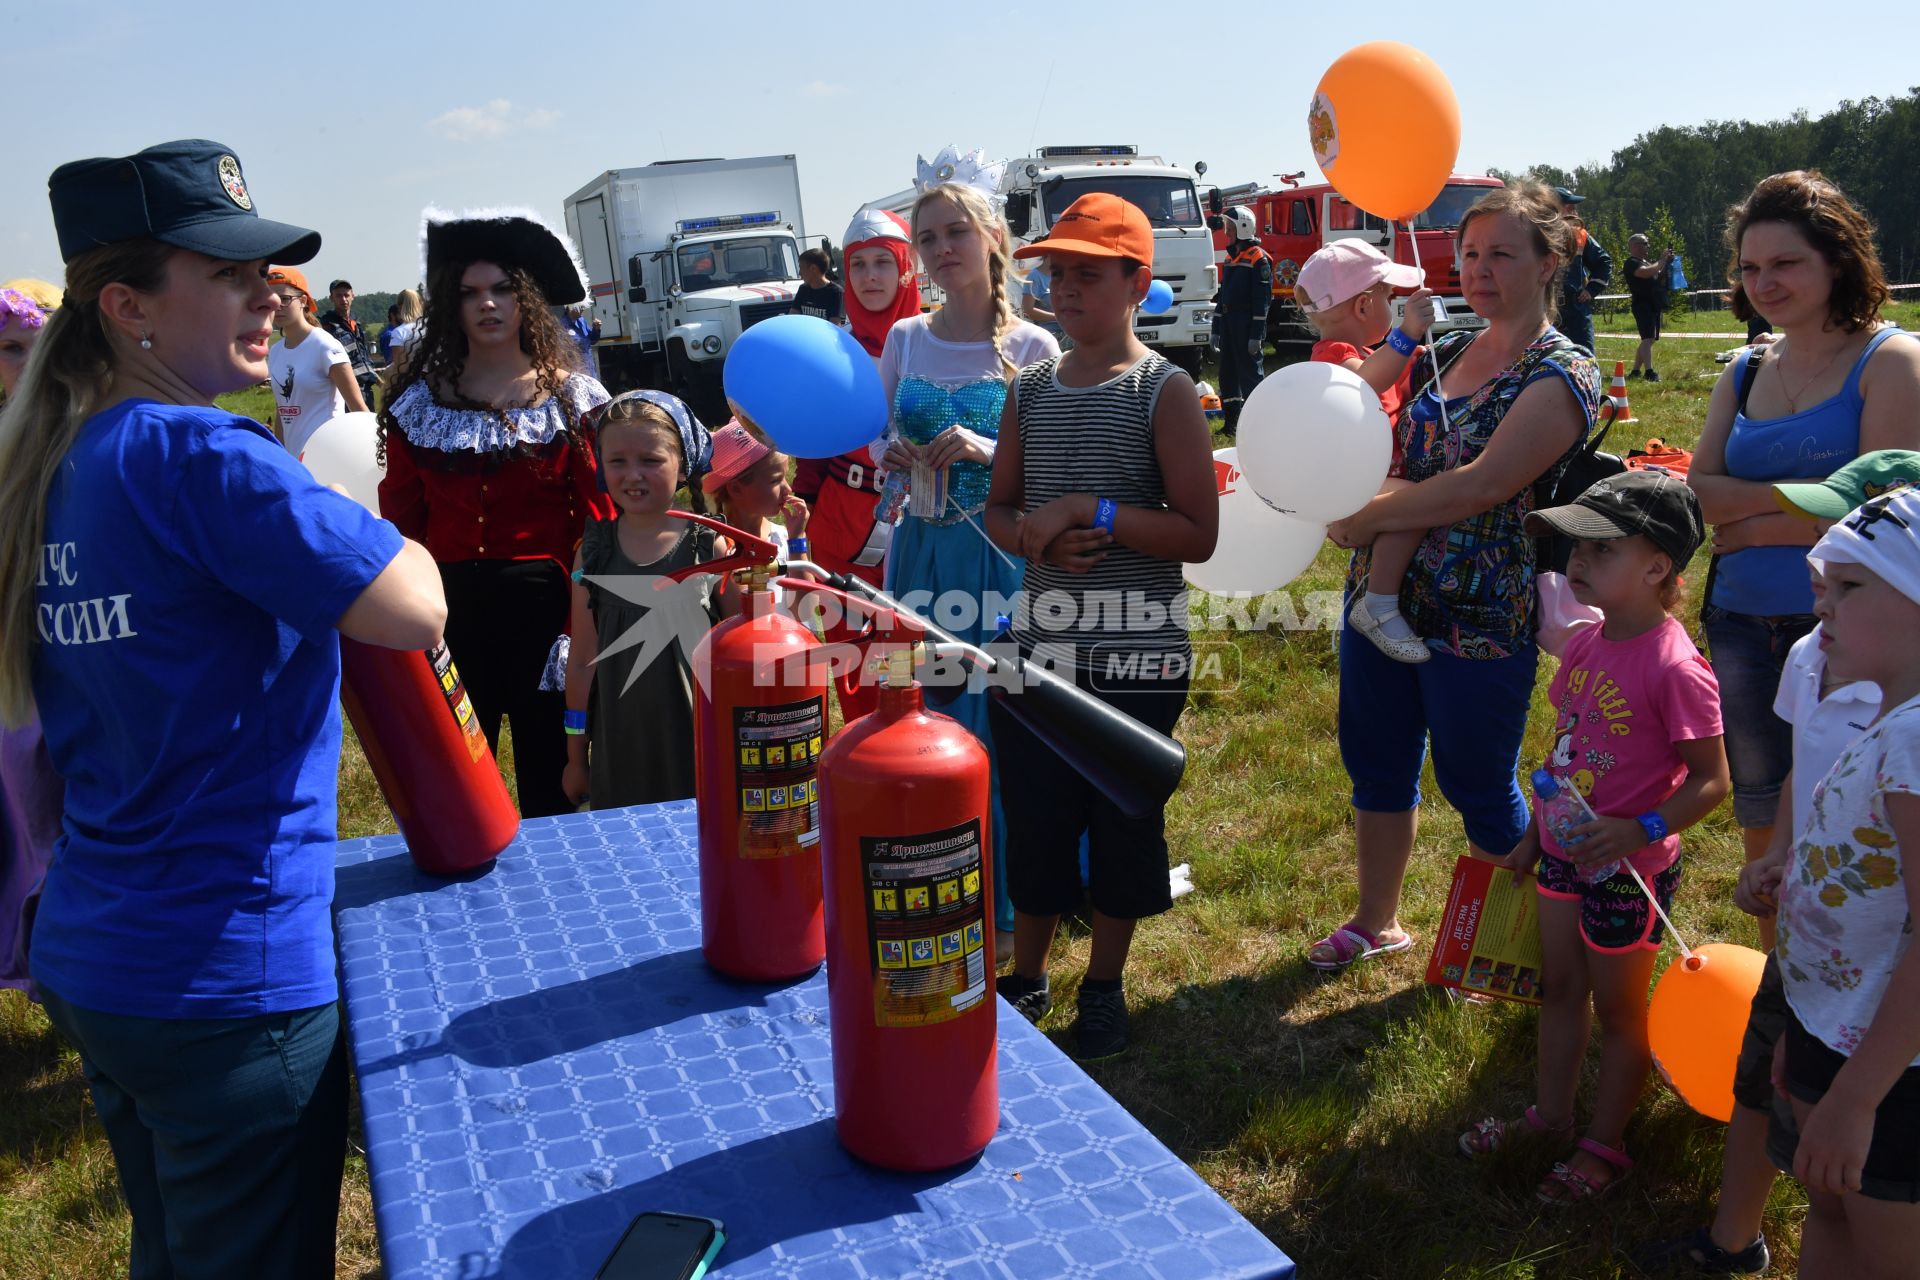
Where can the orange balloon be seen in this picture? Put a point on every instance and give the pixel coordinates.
(1696, 1020)
(1385, 128)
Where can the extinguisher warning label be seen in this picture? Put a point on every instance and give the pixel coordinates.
(926, 924)
(776, 752)
(454, 689)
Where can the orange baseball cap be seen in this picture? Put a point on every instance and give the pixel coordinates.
(295, 277)
(1097, 225)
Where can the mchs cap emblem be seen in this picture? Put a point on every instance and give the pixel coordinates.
(236, 186)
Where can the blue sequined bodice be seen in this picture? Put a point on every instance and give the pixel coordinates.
(923, 409)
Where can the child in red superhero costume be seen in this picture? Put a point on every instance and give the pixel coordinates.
(842, 491)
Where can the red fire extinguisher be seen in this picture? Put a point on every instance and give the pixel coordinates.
(906, 843)
(417, 725)
(759, 726)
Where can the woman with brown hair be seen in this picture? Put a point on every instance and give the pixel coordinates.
(1838, 383)
(490, 463)
(170, 592)
(1520, 397)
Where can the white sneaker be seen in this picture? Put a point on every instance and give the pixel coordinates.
(1412, 649)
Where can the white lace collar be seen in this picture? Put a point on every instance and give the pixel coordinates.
(428, 424)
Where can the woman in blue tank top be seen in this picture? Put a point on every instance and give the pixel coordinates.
(1838, 383)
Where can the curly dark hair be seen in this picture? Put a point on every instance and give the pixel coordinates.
(440, 356)
(1833, 225)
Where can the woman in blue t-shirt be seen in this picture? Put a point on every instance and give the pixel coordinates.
(169, 596)
(1838, 383)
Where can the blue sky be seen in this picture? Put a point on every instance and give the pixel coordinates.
(351, 117)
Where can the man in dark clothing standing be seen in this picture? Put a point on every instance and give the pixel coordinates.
(1246, 291)
(352, 335)
(1590, 272)
(1647, 284)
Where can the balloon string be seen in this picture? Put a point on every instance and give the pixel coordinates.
(1686, 952)
(955, 503)
(1414, 238)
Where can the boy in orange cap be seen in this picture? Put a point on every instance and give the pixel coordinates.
(1103, 480)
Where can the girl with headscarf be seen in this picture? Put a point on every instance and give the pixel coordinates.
(843, 534)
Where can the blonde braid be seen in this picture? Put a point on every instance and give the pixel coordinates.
(980, 211)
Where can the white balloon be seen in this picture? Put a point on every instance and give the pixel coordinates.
(1259, 549)
(342, 451)
(1314, 441)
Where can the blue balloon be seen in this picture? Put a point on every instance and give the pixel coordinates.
(1159, 299)
(813, 388)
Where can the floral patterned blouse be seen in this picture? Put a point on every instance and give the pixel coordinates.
(1844, 918)
(1470, 587)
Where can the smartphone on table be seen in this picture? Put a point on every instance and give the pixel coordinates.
(664, 1246)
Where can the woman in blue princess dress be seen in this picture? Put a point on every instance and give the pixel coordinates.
(946, 376)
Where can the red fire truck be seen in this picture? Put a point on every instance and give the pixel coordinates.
(1297, 220)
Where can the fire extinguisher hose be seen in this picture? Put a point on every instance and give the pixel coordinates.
(1134, 766)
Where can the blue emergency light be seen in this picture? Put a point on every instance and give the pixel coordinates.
(728, 220)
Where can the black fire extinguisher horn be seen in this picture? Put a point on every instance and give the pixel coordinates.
(1136, 767)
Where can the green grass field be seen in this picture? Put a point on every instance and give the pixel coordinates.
(1324, 1110)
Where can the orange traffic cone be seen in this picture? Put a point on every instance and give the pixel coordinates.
(1617, 392)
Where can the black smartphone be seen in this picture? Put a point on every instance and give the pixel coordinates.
(664, 1246)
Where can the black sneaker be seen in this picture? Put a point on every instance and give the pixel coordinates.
(1101, 1031)
(1030, 996)
(1632, 374)
(1696, 1253)
(1652, 376)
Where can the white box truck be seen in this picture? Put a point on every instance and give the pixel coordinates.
(683, 256)
(1041, 186)
(1038, 189)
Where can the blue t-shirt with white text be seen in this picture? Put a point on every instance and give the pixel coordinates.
(187, 674)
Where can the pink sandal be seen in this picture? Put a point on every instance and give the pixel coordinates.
(1486, 1137)
(1565, 1186)
(1350, 943)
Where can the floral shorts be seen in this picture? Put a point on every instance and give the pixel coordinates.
(1614, 914)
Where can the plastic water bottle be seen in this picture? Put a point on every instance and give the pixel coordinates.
(1562, 808)
(893, 498)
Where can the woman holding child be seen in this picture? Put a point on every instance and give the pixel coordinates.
(1520, 399)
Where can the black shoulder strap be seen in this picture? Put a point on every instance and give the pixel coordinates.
(1747, 378)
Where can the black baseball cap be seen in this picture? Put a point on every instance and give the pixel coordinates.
(1651, 502)
(190, 194)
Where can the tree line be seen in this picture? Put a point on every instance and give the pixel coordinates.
(1678, 183)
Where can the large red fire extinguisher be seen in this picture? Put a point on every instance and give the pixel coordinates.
(906, 843)
(759, 726)
(416, 723)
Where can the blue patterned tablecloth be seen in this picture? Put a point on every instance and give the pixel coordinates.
(543, 1054)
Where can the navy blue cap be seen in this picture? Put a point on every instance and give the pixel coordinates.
(1567, 197)
(190, 194)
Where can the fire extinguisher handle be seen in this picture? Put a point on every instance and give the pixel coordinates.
(749, 550)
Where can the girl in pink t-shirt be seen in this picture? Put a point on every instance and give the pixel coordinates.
(1637, 732)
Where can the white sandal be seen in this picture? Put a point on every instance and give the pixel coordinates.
(1412, 649)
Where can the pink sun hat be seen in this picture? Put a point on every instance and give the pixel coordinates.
(734, 450)
(1346, 269)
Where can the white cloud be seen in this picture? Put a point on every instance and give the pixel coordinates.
(495, 118)
(824, 89)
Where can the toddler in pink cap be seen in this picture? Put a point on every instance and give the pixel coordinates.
(1345, 291)
(749, 481)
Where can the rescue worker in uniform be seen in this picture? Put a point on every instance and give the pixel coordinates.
(1590, 271)
(1246, 291)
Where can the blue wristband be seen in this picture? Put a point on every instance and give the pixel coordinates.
(574, 721)
(1654, 825)
(1401, 343)
(797, 546)
(1104, 512)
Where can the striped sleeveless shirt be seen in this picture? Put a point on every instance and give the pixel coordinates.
(1098, 440)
